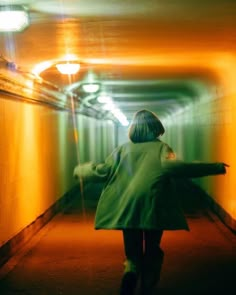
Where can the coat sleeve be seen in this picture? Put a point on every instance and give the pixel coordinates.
(93, 172)
(178, 168)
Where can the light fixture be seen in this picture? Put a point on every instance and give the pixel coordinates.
(104, 98)
(13, 18)
(108, 105)
(120, 117)
(90, 82)
(90, 87)
(68, 68)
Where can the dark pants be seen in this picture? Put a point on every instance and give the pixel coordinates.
(144, 256)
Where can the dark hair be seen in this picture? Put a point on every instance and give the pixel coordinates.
(145, 126)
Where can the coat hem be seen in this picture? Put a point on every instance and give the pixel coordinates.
(139, 227)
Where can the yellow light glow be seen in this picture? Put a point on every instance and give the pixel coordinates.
(68, 68)
(29, 84)
(29, 87)
(39, 68)
(15, 21)
(69, 57)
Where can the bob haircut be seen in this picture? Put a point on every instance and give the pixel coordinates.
(145, 126)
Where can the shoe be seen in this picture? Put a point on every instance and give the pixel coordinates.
(128, 283)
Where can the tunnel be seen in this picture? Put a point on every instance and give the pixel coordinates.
(71, 79)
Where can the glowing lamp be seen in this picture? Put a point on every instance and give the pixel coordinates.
(68, 68)
(90, 87)
(13, 18)
(120, 117)
(104, 99)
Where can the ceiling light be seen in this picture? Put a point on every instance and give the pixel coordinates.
(104, 99)
(68, 68)
(109, 106)
(90, 82)
(13, 18)
(90, 87)
(120, 117)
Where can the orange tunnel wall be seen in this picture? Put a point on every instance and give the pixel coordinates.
(37, 155)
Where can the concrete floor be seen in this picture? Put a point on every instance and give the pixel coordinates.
(69, 257)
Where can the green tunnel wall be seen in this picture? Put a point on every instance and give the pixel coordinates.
(205, 131)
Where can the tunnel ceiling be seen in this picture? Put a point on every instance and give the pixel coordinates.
(147, 54)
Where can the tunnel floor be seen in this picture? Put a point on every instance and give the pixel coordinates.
(69, 257)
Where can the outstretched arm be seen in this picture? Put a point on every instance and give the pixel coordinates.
(193, 169)
(92, 172)
(177, 168)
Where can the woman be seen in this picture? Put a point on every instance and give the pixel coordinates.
(138, 198)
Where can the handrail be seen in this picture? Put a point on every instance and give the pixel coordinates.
(31, 90)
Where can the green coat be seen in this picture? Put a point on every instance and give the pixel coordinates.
(138, 191)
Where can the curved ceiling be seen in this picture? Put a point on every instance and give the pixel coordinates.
(159, 54)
